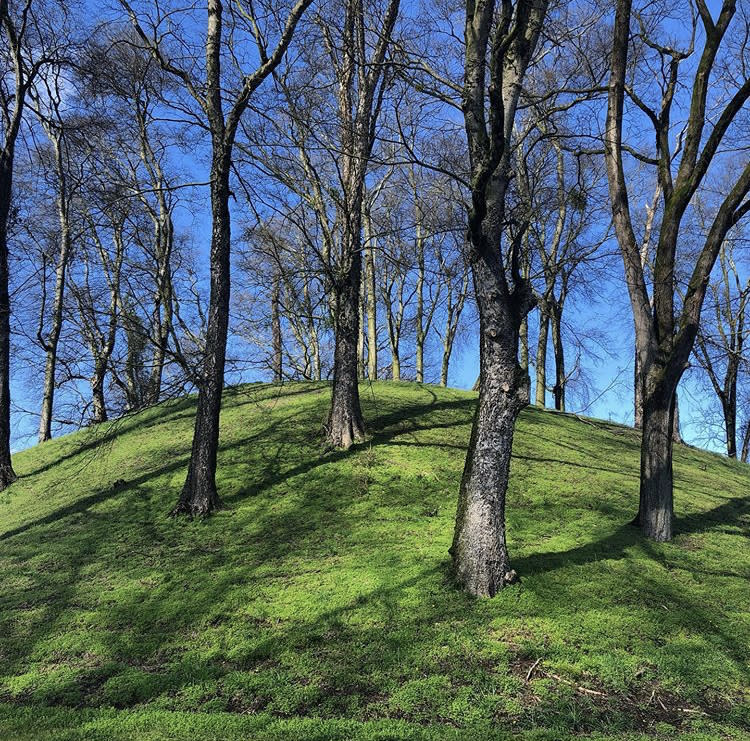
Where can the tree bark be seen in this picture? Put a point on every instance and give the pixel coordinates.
(7, 474)
(50, 344)
(541, 359)
(656, 507)
(345, 422)
(559, 352)
(745, 443)
(372, 327)
(361, 334)
(199, 496)
(637, 392)
(479, 550)
(730, 425)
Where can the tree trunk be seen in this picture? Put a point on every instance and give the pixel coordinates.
(480, 554)
(7, 474)
(361, 334)
(637, 392)
(370, 299)
(541, 359)
(199, 496)
(97, 393)
(345, 422)
(730, 425)
(276, 330)
(163, 302)
(372, 327)
(444, 368)
(421, 330)
(559, 351)
(656, 506)
(745, 443)
(50, 345)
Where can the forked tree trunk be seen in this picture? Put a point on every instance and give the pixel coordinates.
(199, 496)
(541, 360)
(345, 422)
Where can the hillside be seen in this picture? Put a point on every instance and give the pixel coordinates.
(318, 603)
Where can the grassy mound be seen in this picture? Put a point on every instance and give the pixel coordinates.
(318, 604)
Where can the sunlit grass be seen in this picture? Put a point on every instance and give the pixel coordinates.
(318, 603)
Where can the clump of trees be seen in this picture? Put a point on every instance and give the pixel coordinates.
(386, 188)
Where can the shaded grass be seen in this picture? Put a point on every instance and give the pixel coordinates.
(319, 601)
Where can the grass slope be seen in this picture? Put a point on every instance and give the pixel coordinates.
(318, 604)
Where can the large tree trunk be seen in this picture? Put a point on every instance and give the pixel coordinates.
(199, 496)
(345, 422)
(656, 506)
(559, 352)
(480, 554)
(541, 359)
(7, 474)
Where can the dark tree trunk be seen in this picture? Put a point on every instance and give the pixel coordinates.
(655, 511)
(199, 496)
(97, 393)
(7, 474)
(559, 351)
(745, 443)
(730, 424)
(345, 422)
(541, 359)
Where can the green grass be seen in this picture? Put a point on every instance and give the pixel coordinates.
(319, 605)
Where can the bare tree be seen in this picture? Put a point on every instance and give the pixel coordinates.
(500, 42)
(664, 336)
(28, 48)
(199, 495)
(719, 347)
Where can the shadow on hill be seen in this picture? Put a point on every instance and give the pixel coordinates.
(731, 513)
(178, 617)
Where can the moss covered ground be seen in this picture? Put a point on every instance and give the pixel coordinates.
(318, 604)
